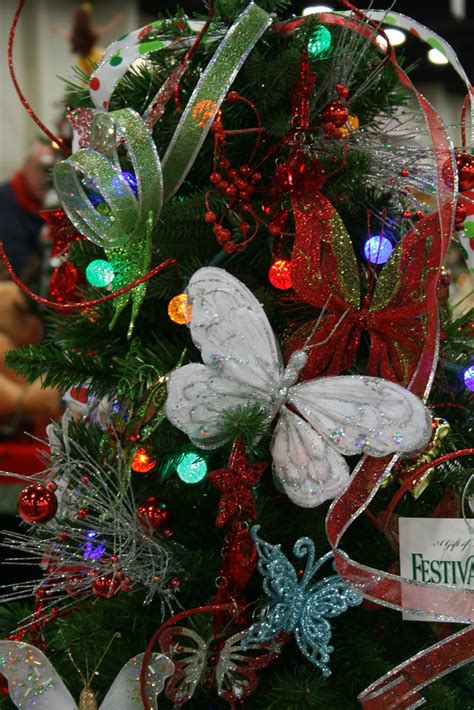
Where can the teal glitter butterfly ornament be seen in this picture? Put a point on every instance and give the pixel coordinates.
(298, 606)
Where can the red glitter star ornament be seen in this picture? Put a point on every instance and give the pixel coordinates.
(63, 232)
(235, 482)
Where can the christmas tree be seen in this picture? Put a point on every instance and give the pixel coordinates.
(252, 227)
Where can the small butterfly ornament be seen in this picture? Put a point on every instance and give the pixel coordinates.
(34, 684)
(227, 663)
(299, 607)
(318, 420)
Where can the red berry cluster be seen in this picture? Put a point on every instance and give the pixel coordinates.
(236, 187)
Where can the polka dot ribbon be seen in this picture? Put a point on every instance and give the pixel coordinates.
(121, 54)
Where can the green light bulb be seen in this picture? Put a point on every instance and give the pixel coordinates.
(100, 273)
(191, 468)
(319, 42)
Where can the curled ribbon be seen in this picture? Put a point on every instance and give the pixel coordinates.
(209, 93)
(399, 688)
(124, 226)
(99, 166)
(121, 54)
(125, 229)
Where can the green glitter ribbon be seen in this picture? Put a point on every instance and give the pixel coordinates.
(123, 223)
(209, 93)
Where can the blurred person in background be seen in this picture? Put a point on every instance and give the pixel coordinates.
(20, 400)
(21, 199)
(84, 36)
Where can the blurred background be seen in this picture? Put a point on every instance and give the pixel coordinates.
(45, 51)
(43, 56)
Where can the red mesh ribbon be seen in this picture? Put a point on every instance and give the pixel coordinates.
(400, 688)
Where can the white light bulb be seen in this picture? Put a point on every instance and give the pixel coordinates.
(437, 57)
(312, 9)
(395, 37)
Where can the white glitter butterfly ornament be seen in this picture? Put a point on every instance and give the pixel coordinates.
(318, 420)
(34, 684)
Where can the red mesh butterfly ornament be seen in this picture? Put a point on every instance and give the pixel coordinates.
(325, 273)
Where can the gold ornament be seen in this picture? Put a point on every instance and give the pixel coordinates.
(352, 124)
(441, 429)
(87, 699)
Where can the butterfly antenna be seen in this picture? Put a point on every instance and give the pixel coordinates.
(316, 325)
(115, 636)
(81, 674)
(306, 345)
(333, 330)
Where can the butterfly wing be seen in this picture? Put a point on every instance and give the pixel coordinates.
(363, 414)
(403, 301)
(230, 328)
(323, 263)
(327, 599)
(188, 652)
(280, 584)
(33, 681)
(236, 676)
(323, 259)
(124, 693)
(242, 357)
(197, 398)
(309, 469)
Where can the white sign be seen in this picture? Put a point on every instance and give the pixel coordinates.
(438, 551)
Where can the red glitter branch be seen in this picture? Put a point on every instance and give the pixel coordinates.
(69, 307)
(171, 85)
(22, 97)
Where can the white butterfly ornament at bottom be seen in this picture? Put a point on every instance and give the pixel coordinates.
(318, 420)
(34, 684)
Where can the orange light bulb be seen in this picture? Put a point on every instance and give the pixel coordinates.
(142, 462)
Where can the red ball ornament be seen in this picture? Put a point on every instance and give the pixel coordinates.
(37, 504)
(279, 274)
(107, 585)
(153, 514)
(465, 166)
(231, 192)
(336, 113)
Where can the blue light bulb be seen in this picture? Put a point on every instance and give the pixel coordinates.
(377, 249)
(468, 377)
(131, 180)
(92, 550)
